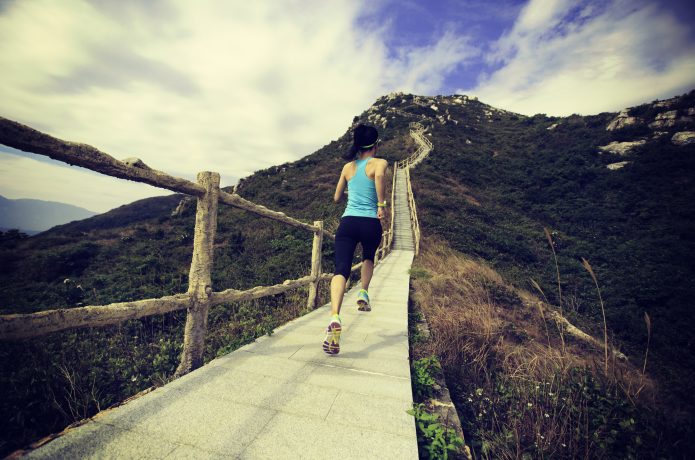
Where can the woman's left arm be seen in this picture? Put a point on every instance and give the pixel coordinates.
(379, 182)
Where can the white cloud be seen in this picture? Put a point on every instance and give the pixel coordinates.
(186, 86)
(567, 57)
(423, 70)
(539, 14)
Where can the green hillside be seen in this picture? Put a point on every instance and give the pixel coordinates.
(493, 182)
(635, 224)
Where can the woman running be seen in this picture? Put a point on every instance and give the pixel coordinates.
(360, 223)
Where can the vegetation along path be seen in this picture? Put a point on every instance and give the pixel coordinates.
(281, 396)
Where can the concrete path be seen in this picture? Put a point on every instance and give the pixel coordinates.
(281, 396)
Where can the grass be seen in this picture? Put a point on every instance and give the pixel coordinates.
(587, 265)
(524, 389)
(559, 285)
(53, 381)
(437, 440)
(439, 433)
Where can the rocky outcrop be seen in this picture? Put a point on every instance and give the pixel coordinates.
(666, 102)
(664, 120)
(183, 204)
(684, 138)
(394, 96)
(622, 148)
(618, 165)
(623, 119)
(377, 119)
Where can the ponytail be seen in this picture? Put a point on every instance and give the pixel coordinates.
(350, 154)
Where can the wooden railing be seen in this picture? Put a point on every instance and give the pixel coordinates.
(200, 296)
(413, 212)
(425, 146)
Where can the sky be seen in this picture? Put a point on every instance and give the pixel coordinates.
(237, 86)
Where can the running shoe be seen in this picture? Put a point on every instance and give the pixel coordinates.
(363, 301)
(331, 345)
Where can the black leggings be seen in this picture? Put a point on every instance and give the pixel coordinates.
(353, 230)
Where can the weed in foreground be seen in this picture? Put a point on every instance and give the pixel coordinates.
(525, 395)
(436, 439)
(425, 371)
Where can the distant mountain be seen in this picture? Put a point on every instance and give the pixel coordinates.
(34, 216)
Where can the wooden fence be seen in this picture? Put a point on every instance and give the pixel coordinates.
(425, 146)
(200, 296)
(413, 212)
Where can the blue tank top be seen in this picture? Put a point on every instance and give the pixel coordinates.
(362, 197)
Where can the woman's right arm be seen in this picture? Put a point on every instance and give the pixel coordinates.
(340, 188)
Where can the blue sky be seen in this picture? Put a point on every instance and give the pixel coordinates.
(237, 86)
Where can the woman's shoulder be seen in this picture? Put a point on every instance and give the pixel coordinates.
(348, 167)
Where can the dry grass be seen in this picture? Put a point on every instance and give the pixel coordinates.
(461, 309)
(450, 187)
(490, 336)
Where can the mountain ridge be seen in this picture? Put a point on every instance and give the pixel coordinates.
(34, 216)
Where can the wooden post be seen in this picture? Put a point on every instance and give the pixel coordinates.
(315, 264)
(199, 282)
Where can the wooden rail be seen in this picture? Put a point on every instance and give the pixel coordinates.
(24, 138)
(425, 146)
(26, 326)
(241, 203)
(200, 296)
(413, 212)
